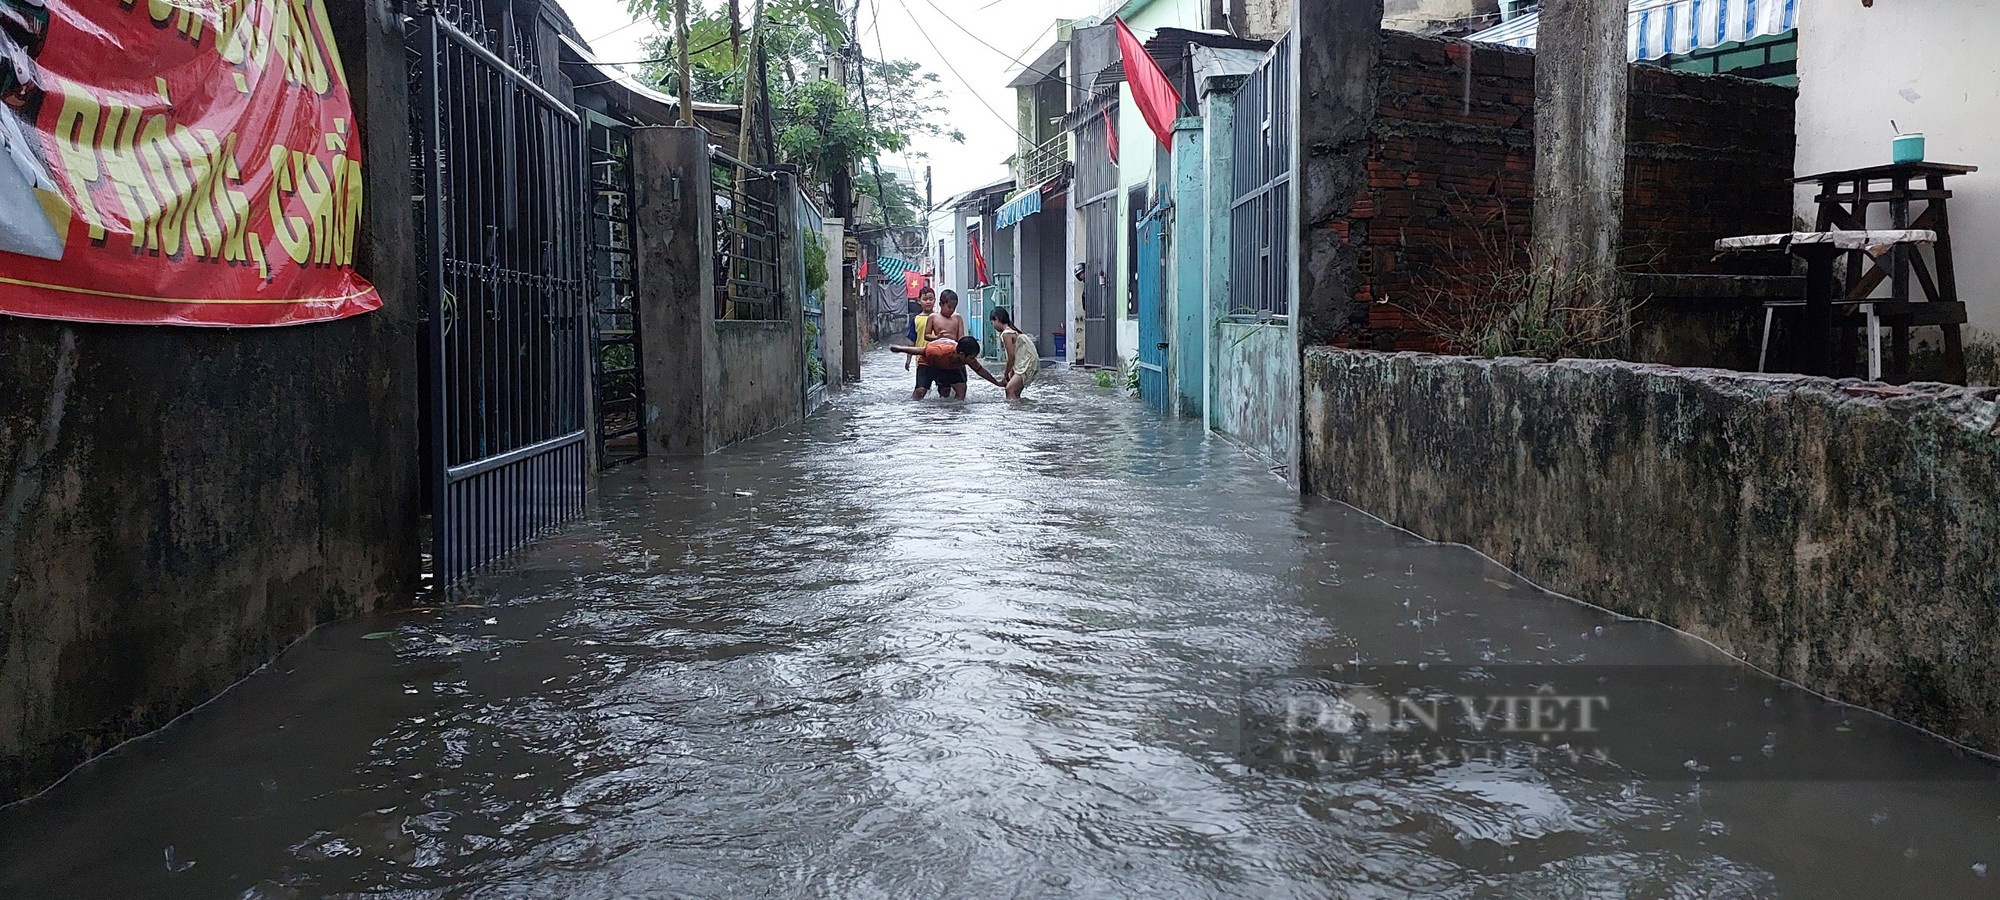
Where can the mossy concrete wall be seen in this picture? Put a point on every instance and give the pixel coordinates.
(759, 381)
(1841, 534)
(1257, 388)
(179, 504)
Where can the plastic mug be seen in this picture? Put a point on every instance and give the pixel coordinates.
(1908, 148)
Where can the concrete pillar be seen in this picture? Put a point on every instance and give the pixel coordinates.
(833, 332)
(1219, 181)
(792, 277)
(675, 285)
(1580, 106)
(851, 323)
(1186, 360)
(1339, 46)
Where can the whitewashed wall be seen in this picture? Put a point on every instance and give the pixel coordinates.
(1932, 66)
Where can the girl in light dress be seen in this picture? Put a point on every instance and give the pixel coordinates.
(1024, 360)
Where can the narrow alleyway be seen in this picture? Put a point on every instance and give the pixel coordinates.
(946, 650)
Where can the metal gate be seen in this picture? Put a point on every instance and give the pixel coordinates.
(1100, 283)
(1260, 231)
(615, 339)
(1150, 271)
(501, 226)
(748, 248)
(812, 301)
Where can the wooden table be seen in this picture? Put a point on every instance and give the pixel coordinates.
(1819, 249)
(1845, 199)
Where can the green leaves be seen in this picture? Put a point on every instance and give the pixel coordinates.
(818, 125)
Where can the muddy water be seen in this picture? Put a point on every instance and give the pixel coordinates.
(963, 651)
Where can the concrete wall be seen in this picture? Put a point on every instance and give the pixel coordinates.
(1187, 299)
(1257, 388)
(1845, 536)
(833, 333)
(1266, 19)
(1931, 67)
(179, 504)
(709, 383)
(756, 382)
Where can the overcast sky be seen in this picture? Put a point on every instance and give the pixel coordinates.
(899, 28)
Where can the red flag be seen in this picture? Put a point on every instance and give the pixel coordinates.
(1154, 92)
(1111, 136)
(978, 264)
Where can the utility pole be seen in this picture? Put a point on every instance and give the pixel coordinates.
(750, 90)
(841, 183)
(687, 68)
(1580, 108)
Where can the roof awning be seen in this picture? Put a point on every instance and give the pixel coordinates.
(979, 198)
(642, 101)
(1019, 208)
(1044, 67)
(1168, 47)
(1656, 28)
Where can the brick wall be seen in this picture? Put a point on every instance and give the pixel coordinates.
(1707, 156)
(1451, 182)
(1449, 195)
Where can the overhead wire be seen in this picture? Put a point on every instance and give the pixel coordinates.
(946, 61)
(619, 29)
(882, 53)
(867, 111)
(1019, 60)
(643, 62)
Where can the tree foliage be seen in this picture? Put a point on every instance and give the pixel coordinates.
(817, 124)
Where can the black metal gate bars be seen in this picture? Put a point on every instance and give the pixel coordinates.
(621, 386)
(501, 221)
(1261, 237)
(747, 242)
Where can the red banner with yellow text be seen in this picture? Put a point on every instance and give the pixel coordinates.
(177, 162)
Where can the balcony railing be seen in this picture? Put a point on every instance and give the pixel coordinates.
(1042, 163)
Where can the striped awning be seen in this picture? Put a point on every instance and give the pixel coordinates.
(896, 269)
(1019, 208)
(1656, 28)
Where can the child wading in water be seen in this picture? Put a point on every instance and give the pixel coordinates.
(1024, 359)
(920, 324)
(943, 362)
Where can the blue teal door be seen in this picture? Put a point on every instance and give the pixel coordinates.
(1151, 270)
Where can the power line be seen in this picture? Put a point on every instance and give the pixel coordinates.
(619, 29)
(982, 41)
(1037, 41)
(1017, 60)
(643, 62)
(867, 112)
(946, 60)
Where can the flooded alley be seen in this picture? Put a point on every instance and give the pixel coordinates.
(965, 650)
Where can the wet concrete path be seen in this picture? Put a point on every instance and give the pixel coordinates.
(950, 650)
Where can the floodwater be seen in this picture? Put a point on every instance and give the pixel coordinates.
(968, 650)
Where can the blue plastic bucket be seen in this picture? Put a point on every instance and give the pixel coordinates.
(1908, 148)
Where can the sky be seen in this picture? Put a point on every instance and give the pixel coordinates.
(907, 29)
